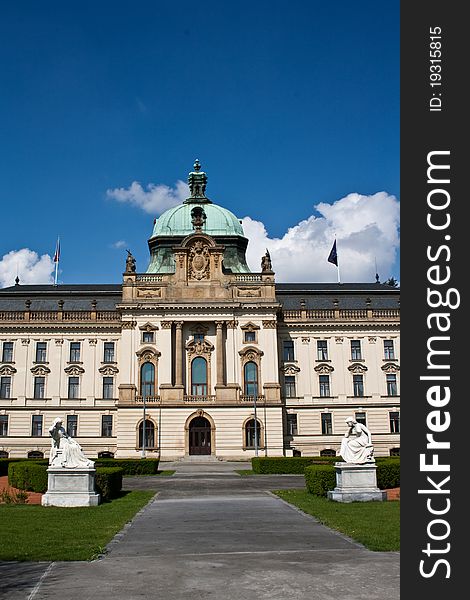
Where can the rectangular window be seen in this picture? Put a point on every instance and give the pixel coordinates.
(250, 336)
(291, 424)
(74, 351)
(358, 385)
(326, 424)
(3, 425)
(41, 352)
(392, 389)
(36, 426)
(73, 387)
(107, 425)
(289, 386)
(199, 337)
(109, 352)
(389, 351)
(322, 350)
(5, 387)
(394, 422)
(361, 418)
(324, 385)
(108, 387)
(72, 425)
(39, 387)
(288, 350)
(7, 352)
(356, 353)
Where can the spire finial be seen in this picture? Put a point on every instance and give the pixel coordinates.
(17, 280)
(197, 165)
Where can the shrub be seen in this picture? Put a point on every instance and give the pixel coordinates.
(319, 479)
(131, 466)
(28, 475)
(4, 462)
(288, 464)
(388, 473)
(108, 482)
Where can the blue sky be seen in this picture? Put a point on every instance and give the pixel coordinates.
(287, 105)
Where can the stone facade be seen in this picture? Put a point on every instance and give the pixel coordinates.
(194, 351)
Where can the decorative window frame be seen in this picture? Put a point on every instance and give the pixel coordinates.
(155, 434)
(252, 328)
(7, 370)
(194, 349)
(151, 355)
(251, 354)
(261, 444)
(147, 328)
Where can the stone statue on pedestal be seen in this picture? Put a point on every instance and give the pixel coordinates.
(65, 451)
(356, 445)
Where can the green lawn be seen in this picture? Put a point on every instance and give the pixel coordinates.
(164, 473)
(376, 525)
(33, 532)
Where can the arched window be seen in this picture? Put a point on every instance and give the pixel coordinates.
(149, 434)
(147, 380)
(327, 452)
(199, 377)
(251, 379)
(250, 434)
(35, 454)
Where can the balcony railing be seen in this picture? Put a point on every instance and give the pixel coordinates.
(68, 316)
(198, 398)
(148, 399)
(251, 399)
(329, 314)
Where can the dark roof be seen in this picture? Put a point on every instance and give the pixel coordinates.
(75, 297)
(293, 296)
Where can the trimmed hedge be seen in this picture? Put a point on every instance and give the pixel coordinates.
(108, 482)
(388, 473)
(5, 462)
(288, 465)
(130, 466)
(28, 475)
(319, 479)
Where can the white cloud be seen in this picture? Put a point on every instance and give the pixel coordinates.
(366, 228)
(119, 244)
(155, 199)
(29, 267)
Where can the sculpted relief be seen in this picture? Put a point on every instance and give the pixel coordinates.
(199, 261)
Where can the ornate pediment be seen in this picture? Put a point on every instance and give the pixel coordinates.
(40, 370)
(74, 370)
(148, 327)
(147, 353)
(199, 347)
(250, 326)
(390, 368)
(108, 370)
(7, 370)
(324, 369)
(290, 369)
(357, 368)
(250, 353)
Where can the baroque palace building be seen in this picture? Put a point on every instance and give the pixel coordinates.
(198, 355)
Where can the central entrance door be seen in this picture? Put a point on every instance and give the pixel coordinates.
(199, 436)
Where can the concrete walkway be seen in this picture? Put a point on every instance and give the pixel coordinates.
(211, 534)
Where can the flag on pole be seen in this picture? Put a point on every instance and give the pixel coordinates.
(57, 251)
(333, 256)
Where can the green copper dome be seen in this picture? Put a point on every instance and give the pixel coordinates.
(197, 214)
(178, 221)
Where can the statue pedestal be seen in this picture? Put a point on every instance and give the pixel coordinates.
(70, 487)
(356, 483)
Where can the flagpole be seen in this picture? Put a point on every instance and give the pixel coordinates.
(56, 259)
(337, 261)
